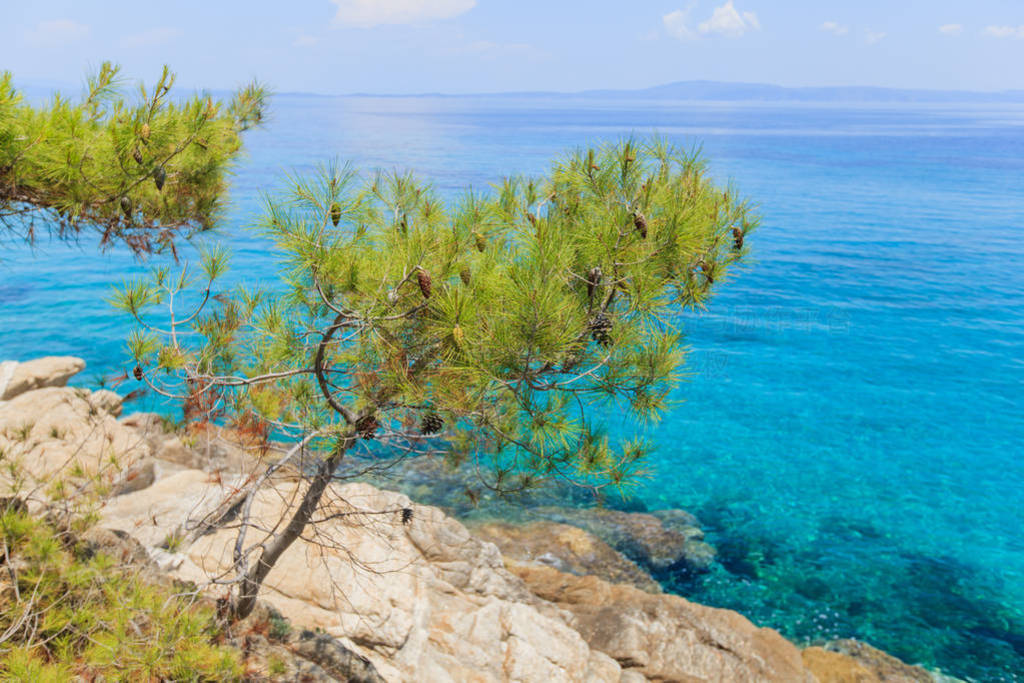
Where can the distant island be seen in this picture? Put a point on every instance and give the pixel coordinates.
(755, 92)
(708, 91)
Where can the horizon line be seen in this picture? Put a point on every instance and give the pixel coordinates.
(56, 86)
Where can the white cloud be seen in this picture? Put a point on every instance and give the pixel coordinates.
(57, 32)
(151, 38)
(834, 27)
(1005, 31)
(951, 29)
(369, 13)
(676, 23)
(873, 37)
(727, 21)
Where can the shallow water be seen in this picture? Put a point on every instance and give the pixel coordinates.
(853, 430)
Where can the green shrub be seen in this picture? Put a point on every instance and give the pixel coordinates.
(68, 613)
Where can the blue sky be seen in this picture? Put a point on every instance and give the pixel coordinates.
(403, 46)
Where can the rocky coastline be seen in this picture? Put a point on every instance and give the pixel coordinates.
(457, 589)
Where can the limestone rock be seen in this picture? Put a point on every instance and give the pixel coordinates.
(139, 476)
(64, 433)
(334, 658)
(851, 661)
(422, 600)
(566, 548)
(833, 667)
(173, 449)
(108, 401)
(144, 422)
(117, 544)
(164, 509)
(642, 537)
(51, 371)
(665, 637)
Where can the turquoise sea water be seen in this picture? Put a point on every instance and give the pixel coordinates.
(853, 433)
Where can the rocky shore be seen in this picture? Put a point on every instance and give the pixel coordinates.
(542, 593)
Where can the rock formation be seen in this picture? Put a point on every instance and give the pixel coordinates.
(375, 594)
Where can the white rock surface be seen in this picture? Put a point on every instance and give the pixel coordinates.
(51, 371)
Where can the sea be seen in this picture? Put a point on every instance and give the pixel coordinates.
(851, 433)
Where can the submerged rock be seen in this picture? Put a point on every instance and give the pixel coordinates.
(660, 540)
(642, 537)
(566, 548)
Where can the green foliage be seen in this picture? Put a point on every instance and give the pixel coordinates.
(142, 172)
(67, 614)
(517, 318)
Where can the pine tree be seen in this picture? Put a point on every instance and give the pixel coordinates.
(379, 334)
(143, 173)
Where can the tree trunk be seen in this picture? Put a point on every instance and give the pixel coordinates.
(252, 580)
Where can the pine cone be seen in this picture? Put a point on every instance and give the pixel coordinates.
(600, 327)
(126, 206)
(465, 274)
(137, 155)
(708, 271)
(159, 177)
(144, 132)
(737, 238)
(137, 373)
(335, 213)
(367, 426)
(406, 516)
(423, 277)
(431, 423)
(640, 223)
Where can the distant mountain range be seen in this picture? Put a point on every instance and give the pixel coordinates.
(683, 90)
(756, 92)
(712, 90)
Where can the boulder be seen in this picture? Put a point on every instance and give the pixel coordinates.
(51, 371)
(334, 658)
(108, 401)
(852, 661)
(665, 637)
(642, 537)
(173, 449)
(64, 434)
(566, 548)
(139, 476)
(420, 598)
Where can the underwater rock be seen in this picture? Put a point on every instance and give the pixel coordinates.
(640, 536)
(660, 540)
(566, 548)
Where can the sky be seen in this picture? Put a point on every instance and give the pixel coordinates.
(462, 46)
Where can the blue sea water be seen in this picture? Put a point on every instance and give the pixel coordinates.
(853, 431)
